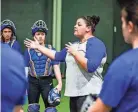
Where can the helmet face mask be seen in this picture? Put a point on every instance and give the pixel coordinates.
(54, 97)
(40, 26)
(9, 25)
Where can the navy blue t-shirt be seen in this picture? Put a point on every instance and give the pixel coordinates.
(120, 87)
(13, 80)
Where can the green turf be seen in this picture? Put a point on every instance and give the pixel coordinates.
(64, 105)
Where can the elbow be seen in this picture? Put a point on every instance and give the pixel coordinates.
(91, 67)
(53, 58)
(91, 70)
(56, 57)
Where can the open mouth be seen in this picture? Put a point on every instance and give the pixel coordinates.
(75, 30)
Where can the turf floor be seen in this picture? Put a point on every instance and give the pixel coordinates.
(64, 105)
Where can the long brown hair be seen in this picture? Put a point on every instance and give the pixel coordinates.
(2, 37)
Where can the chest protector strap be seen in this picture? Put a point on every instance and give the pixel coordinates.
(48, 68)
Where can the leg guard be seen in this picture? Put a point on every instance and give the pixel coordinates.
(33, 107)
(50, 109)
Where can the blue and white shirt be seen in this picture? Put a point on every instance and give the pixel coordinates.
(78, 81)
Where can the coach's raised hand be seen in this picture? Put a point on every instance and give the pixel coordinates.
(31, 44)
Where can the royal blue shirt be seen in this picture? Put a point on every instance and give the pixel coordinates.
(13, 80)
(120, 87)
(16, 46)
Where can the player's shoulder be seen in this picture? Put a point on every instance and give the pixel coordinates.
(95, 41)
(127, 59)
(11, 57)
(132, 53)
(4, 46)
(28, 51)
(49, 46)
(15, 42)
(130, 56)
(8, 51)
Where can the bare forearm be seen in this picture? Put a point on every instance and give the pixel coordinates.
(81, 60)
(99, 106)
(48, 52)
(58, 74)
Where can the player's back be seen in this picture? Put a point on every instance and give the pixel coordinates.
(129, 103)
(13, 80)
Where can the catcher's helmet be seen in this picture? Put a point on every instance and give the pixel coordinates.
(8, 24)
(39, 25)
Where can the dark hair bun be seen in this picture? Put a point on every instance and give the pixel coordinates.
(95, 19)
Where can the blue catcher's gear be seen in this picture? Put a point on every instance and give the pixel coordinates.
(51, 109)
(8, 24)
(54, 97)
(39, 25)
(33, 107)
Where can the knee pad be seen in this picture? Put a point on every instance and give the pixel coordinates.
(50, 109)
(33, 107)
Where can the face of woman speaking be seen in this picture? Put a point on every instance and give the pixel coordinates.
(80, 28)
